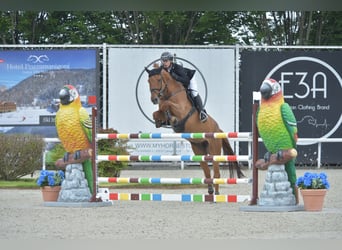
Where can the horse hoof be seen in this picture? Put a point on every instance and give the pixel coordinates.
(210, 190)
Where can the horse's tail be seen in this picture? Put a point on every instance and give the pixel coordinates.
(227, 150)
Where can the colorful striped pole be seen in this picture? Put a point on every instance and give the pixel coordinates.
(175, 197)
(196, 158)
(175, 135)
(156, 180)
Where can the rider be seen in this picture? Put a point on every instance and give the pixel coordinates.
(185, 76)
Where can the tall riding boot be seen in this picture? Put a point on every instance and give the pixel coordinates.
(203, 116)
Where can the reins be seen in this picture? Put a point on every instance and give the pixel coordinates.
(162, 89)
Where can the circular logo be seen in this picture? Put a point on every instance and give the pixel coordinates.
(142, 90)
(310, 86)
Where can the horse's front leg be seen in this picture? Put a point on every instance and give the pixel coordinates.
(159, 118)
(168, 108)
(164, 106)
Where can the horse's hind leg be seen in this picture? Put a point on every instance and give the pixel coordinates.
(206, 171)
(215, 149)
(216, 168)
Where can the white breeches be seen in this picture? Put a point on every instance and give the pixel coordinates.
(193, 87)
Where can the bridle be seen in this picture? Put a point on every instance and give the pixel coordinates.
(163, 88)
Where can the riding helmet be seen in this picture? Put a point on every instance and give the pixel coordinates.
(166, 56)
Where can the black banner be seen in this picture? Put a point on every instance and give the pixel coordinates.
(312, 86)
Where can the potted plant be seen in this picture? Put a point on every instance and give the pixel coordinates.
(50, 184)
(313, 188)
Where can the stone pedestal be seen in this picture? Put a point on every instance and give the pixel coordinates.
(75, 186)
(277, 190)
(276, 195)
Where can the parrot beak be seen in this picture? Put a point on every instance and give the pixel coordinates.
(64, 96)
(266, 90)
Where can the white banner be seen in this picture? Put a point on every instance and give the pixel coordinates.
(129, 106)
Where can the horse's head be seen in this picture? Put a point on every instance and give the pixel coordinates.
(157, 84)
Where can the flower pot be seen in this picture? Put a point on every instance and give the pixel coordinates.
(50, 193)
(313, 199)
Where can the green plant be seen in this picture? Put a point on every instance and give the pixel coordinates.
(313, 181)
(50, 178)
(20, 155)
(57, 152)
(111, 147)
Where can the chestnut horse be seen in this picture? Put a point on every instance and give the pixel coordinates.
(179, 110)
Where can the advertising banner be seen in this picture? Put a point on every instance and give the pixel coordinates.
(129, 105)
(311, 84)
(30, 81)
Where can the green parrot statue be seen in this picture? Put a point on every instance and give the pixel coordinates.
(277, 126)
(74, 128)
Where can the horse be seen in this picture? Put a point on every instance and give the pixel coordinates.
(176, 107)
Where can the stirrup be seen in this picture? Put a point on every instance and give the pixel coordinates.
(203, 116)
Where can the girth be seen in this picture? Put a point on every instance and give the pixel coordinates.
(180, 125)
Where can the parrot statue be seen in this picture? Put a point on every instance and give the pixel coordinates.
(277, 126)
(74, 128)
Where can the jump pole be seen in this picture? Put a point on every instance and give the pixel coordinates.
(255, 152)
(174, 135)
(156, 180)
(93, 155)
(175, 197)
(193, 158)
